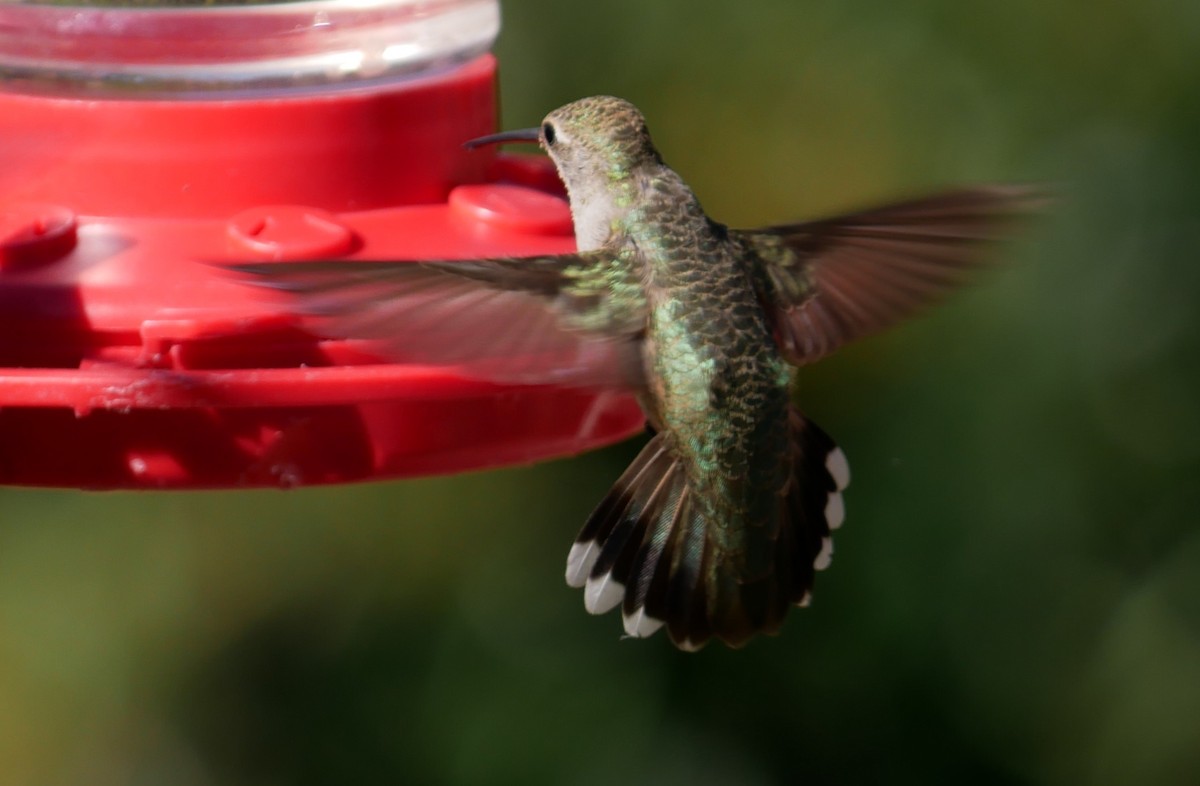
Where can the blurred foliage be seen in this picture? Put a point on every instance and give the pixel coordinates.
(1015, 597)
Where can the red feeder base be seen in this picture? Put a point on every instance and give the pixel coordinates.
(128, 361)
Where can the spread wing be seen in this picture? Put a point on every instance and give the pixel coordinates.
(829, 282)
(569, 319)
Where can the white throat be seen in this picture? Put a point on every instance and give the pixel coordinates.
(593, 211)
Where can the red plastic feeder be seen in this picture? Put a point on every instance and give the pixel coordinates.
(137, 146)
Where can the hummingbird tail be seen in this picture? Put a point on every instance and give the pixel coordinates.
(649, 547)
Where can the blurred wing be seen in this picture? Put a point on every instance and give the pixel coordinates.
(526, 320)
(829, 282)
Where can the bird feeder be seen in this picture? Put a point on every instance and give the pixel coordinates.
(138, 146)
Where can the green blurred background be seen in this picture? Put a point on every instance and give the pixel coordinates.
(1015, 596)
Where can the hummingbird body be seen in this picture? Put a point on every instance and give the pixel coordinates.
(716, 529)
(718, 391)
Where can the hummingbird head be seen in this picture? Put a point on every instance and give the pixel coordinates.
(597, 140)
(598, 144)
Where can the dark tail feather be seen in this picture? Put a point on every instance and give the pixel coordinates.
(813, 503)
(648, 547)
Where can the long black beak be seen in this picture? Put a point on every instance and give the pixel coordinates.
(520, 135)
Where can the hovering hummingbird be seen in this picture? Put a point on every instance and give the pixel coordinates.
(718, 526)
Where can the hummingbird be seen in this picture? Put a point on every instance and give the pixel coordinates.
(718, 526)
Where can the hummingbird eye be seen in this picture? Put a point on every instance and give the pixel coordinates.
(548, 133)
